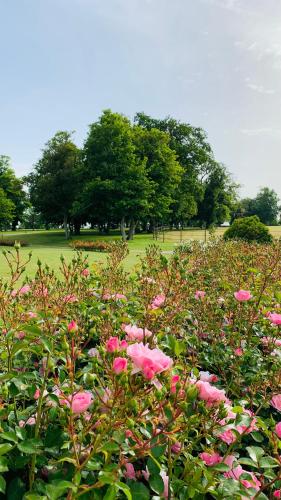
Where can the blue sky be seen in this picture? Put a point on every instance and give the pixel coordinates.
(212, 63)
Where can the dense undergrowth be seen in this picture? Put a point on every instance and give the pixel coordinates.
(162, 384)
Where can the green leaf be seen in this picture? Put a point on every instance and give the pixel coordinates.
(248, 461)
(157, 484)
(2, 484)
(139, 491)
(46, 343)
(268, 462)
(3, 464)
(110, 493)
(158, 451)
(255, 452)
(58, 488)
(9, 436)
(16, 489)
(220, 468)
(30, 446)
(126, 490)
(5, 447)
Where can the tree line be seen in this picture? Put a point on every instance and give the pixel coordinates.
(128, 174)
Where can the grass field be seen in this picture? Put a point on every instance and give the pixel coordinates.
(48, 246)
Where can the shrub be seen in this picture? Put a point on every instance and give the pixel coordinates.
(248, 229)
(4, 242)
(91, 246)
(163, 384)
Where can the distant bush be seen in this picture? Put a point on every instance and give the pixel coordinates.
(11, 243)
(248, 229)
(91, 246)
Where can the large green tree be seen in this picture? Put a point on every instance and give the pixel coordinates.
(12, 188)
(117, 187)
(54, 183)
(266, 205)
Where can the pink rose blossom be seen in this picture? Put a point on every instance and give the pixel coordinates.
(176, 447)
(112, 344)
(237, 471)
(37, 394)
(208, 377)
(277, 494)
(130, 471)
(72, 326)
(209, 393)
(70, 298)
(239, 351)
(128, 433)
(123, 345)
(199, 294)
(274, 318)
(14, 293)
(135, 333)
(276, 402)
(149, 361)
(20, 335)
(243, 295)
(119, 296)
(158, 301)
(81, 402)
(24, 289)
(278, 429)
(119, 365)
(85, 273)
(227, 437)
(166, 484)
(271, 341)
(32, 314)
(210, 459)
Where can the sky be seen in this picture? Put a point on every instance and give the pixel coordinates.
(212, 63)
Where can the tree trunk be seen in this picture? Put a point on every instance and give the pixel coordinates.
(132, 228)
(77, 227)
(65, 226)
(123, 229)
(14, 225)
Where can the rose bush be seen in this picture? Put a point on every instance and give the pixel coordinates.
(161, 384)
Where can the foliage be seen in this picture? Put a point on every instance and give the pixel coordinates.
(54, 182)
(13, 199)
(249, 229)
(96, 246)
(5, 242)
(89, 411)
(266, 205)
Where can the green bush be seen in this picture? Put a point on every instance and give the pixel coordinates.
(248, 229)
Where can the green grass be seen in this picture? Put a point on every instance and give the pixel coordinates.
(48, 246)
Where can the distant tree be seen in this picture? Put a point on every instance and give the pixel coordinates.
(117, 186)
(53, 184)
(219, 197)
(266, 205)
(32, 219)
(163, 170)
(13, 189)
(200, 170)
(7, 210)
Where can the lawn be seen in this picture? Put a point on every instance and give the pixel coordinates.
(48, 246)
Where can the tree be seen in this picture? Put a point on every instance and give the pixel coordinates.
(163, 170)
(117, 186)
(266, 205)
(7, 210)
(54, 182)
(195, 156)
(13, 189)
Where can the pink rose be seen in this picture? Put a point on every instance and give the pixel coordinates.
(123, 345)
(32, 314)
(227, 437)
(85, 273)
(209, 393)
(37, 394)
(237, 471)
(70, 298)
(277, 494)
(276, 402)
(20, 335)
(119, 365)
(135, 333)
(210, 459)
(24, 289)
(239, 351)
(208, 377)
(199, 294)
(166, 484)
(271, 341)
(278, 429)
(72, 326)
(243, 295)
(81, 402)
(119, 296)
(130, 471)
(176, 447)
(274, 318)
(158, 301)
(112, 344)
(149, 361)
